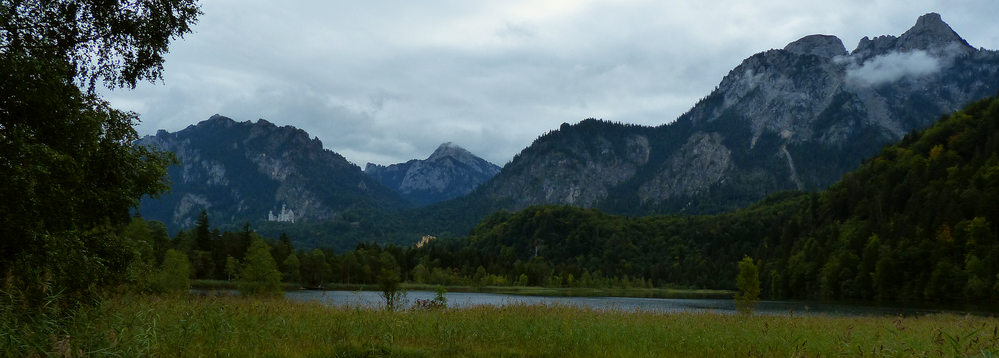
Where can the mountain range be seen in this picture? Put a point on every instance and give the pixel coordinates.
(240, 172)
(244, 172)
(796, 118)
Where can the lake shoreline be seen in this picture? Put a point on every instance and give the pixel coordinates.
(554, 291)
(511, 290)
(239, 326)
(462, 300)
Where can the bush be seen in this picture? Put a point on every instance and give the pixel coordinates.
(388, 283)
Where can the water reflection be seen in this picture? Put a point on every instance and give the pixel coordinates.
(466, 299)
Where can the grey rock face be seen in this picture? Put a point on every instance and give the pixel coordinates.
(577, 165)
(930, 33)
(698, 164)
(451, 171)
(818, 45)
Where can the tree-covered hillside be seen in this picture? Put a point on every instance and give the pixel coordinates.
(916, 222)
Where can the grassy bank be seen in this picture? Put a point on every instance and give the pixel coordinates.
(559, 291)
(233, 326)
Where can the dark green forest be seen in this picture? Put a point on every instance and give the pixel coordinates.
(917, 222)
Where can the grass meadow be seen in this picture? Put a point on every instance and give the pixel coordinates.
(195, 326)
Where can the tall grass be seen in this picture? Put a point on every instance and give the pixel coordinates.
(234, 326)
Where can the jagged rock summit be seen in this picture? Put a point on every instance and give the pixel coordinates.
(243, 171)
(450, 149)
(451, 171)
(818, 45)
(930, 33)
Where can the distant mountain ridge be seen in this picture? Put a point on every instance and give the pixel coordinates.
(793, 118)
(244, 171)
(450, 172)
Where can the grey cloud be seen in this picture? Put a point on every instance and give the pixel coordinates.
(893, 67)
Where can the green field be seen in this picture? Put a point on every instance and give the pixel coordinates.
(232, 326)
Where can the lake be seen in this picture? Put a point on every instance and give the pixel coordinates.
(371, 299)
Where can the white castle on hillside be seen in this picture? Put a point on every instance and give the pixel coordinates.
(285, 215)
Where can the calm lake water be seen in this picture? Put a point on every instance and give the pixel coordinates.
(466, 299)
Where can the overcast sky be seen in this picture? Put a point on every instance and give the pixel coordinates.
(388, 81)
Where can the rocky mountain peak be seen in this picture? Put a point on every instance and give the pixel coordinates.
(449, 172)
(217, 120)
(818, 45)
(450, 150)
(930, 31)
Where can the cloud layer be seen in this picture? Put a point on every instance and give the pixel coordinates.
(893, 67)
(388, 81)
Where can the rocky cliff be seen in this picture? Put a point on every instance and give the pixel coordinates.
(245, 172)
(793, 118)
(451, 171)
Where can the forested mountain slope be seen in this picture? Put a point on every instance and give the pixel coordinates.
(916, 222)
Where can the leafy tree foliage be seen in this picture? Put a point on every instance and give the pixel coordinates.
(260, 276)
(173, 277)
(117, 42)
(315, 269)
(232, 268)
(914, 223)
(748, 283)
(388, 284)
(291, 269)
(70, 172)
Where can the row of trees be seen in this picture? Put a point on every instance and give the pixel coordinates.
(212, 254)
(163, 265)
(245, 256)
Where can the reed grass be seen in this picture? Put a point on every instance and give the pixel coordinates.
(190, 326)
